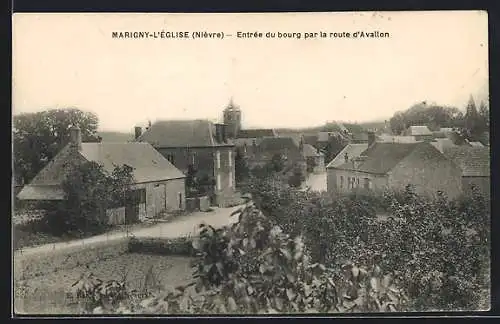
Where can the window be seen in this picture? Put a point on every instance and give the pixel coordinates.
(230, 179)
(217, 156)
(218, 182)
(230, 156)
(366, 183)
(193, 158)
(180, 200)
(341, 182)
(357, 182)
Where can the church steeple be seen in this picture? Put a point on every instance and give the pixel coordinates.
(232, 118)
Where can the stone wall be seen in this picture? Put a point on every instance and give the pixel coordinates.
(428, 171)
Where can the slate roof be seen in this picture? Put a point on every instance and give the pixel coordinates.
(310, 150)
(352, 150)
(182, 133)
(383, 157)
(255, 133)
(418, 130)
(474, 161)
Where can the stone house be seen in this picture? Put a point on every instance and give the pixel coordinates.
(394, 166)
(158, 186)
(288, 148)
(421, 133)
(200, 146)
(349, 152)
(475, 165)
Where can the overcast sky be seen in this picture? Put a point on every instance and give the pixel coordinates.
(62, 60)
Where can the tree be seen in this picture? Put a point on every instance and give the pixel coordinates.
(296, 178)
(474, 123)
(335, 144)
(241, 166)
(191, 180)
(484, 113)
(430, 115)
(277, 163)
(39, 136)
(89, 192)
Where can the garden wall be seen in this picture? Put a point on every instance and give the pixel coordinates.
(33, 265)
(162, 246)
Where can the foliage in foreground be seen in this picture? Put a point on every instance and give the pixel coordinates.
(254, 267)
(89, 191)
(437, 248)
(335, 255)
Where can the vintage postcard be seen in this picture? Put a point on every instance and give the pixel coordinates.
(271, 163)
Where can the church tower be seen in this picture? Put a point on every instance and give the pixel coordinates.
(232, 118)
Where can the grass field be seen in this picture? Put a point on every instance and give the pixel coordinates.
(47, 294)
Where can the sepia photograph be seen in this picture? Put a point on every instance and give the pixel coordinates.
(250, 163)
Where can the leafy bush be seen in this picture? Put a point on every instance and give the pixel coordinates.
(437, 248)
(254, 267)
(89, 192)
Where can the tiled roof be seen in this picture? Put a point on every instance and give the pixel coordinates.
(277, 143)
(396, 138)
(442, 143)
(383, 157)
(182, 133)
(311, 139)
(352, 150)
(149, 165)
(240, 142)
(324, 136)
(418, 130)
(474, 161)
(360, 137)
(295, 135)
(255, 133)
(44, 192)
(310, 150)
(476, 144)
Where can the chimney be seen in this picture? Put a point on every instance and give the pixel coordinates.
(224, 133)
(138, 132)
(219, 133)
(75, 137)
(371, 138)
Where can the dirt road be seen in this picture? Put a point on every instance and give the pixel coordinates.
(181, 226)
